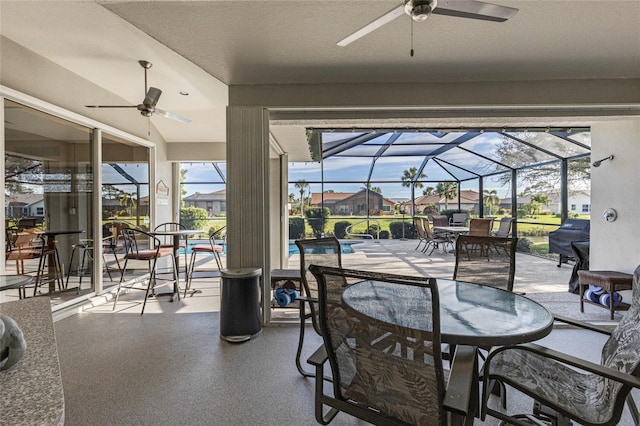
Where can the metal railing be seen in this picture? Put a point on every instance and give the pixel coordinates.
(377, 237)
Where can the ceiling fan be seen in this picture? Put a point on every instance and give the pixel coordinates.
(148, 106)
(419, 10)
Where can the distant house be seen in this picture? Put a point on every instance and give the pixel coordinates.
(353, 203)
(215, 203)
(579, 201)
(25, 205)
(469, 201)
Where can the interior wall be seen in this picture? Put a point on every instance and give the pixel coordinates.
(614, 245)
(196, 152)
(469, 94)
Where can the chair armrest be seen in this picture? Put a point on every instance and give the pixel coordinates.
(582, 324)
(319, 357)
(580, 363)
(462, 377)
(307, 299)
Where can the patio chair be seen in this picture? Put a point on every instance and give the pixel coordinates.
(420, 231)
(576, 389)
(488, 261)
(142, 246)
(211, 248)
(434, 241)
(319, 251)
(504, 229)
(373, 382)
(459, 219)
(480, 227)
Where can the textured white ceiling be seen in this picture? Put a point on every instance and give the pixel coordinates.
(249, 42)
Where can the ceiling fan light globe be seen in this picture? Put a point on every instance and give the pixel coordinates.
(419, 10)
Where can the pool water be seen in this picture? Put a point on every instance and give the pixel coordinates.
(293, 249)
(346, 248)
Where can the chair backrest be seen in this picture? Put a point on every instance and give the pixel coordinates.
(459, 219)
(480, 227)
(402, 387)
(419, 225)
(622, 352)
(489, 261)
(439, 220)
(505, 227)
(139, 243)
(168, 226)
(318, 251)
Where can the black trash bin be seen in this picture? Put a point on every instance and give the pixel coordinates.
(240, 317)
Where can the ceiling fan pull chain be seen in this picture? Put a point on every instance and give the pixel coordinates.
(411, 20)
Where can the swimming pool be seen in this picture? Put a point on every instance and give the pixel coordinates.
(346, 248)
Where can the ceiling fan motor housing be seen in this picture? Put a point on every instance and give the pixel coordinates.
(419, 10)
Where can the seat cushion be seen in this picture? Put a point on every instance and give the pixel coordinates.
(577, 393)
(204, 248)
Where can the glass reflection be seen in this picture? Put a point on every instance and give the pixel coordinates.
(48, 207)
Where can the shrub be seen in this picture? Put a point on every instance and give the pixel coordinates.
(296, 228)
(340, 228)
(193, 217)
(396, 230)
(524, 245)
(373, 230)
(384, 235)
(316, 217)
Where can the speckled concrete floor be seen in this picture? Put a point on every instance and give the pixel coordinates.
(170, 366)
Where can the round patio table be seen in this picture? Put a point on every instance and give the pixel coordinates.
(470, 314)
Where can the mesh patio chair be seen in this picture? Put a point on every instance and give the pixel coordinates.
(434, 241)
(379, 383)
(504, 229)
(480, 227)
(459, 219)
(320, 251)
(578, 390)
(420, 231)
(142, 246)
(488, 261)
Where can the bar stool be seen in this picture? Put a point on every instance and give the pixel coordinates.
(210, 249)
(149, 250)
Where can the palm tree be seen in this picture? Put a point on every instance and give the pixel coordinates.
(408, 180)
(491, 199)
(429, 190)
(447, 190)
(302, 185)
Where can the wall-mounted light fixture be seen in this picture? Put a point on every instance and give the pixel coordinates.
(597, 163)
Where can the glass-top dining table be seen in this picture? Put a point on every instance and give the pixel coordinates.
(470, 314)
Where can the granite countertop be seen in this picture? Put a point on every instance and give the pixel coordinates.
(31, 391)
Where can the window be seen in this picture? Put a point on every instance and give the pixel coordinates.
(585, 208)
(40, 211)
(386, 208)
(573, 207)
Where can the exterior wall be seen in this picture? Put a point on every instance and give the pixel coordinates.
(614, 245)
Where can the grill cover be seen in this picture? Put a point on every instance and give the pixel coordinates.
(571, 230)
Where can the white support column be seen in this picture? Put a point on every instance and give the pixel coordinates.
(98, 259)
(248, 189)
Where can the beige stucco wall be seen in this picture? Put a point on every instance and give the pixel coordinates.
(616, 184)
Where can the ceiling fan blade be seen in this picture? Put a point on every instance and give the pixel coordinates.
(384, 19)
(111, 106)
(474, 10)
(171, 115)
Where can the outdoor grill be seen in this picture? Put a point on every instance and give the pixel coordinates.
(560, 240)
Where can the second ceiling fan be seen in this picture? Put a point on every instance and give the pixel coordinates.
(148, 106)
(419, 10)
